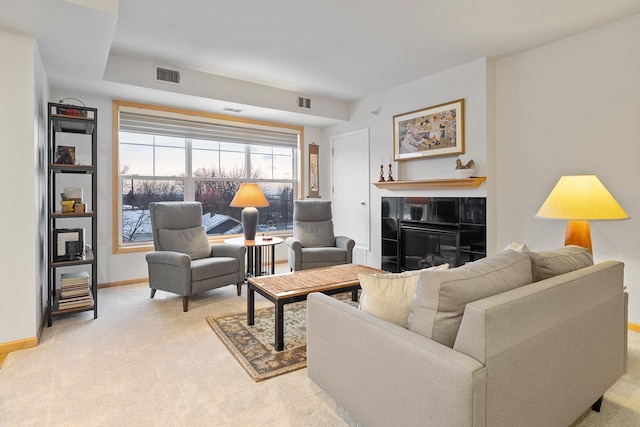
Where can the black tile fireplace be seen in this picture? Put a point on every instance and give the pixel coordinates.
(420, 232)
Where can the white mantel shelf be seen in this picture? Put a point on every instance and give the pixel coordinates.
(472, 182)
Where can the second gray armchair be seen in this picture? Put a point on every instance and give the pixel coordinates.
(184, 262)
(313, 244)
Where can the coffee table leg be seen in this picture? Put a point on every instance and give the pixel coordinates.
(279, 326)
(250, 305)
(354, 295)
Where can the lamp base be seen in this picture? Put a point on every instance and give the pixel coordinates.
(249, 222)
(579, 234)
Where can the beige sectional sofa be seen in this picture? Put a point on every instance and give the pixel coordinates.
(516, 339)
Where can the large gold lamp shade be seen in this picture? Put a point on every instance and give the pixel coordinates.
(580, 199)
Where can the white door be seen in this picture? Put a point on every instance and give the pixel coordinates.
(350, 187)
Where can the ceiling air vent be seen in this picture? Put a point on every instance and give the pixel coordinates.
(304, 102)
(167, 75)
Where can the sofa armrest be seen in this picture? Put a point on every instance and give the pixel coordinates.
(384, 374)
(561, 331)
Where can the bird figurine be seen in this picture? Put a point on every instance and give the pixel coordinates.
(470, 164)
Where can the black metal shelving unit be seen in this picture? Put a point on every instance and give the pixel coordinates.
(66, 119)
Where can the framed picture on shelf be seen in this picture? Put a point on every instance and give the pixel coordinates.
(65, 155)
(429, 132)
(68, 244)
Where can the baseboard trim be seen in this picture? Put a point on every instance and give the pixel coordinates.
(123, 283)
(634, 327)
(8, 347)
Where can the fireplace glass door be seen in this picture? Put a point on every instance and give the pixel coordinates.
(423, 247)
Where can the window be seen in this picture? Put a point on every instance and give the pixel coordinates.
(173, 155)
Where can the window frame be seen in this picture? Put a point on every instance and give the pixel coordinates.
(118, 246)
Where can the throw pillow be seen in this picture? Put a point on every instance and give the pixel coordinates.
(546, 264)
(441, 296)
(191, 241)
(515, 246)
(388, 295)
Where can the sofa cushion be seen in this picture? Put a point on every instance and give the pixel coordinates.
(441, 296)
(389, 295)
(315, 234)
(191, 241)
(546, 264)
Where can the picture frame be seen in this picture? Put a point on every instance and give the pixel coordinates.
(429, 132)
(68, 244)
(65, 155)
(314, 175)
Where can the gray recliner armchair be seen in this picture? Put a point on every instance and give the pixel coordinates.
(313, 244)
(184, 262)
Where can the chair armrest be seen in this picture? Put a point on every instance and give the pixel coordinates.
(233, 251)
(169, 271)
(171, 258)
(346, 243)
(294, 255)
(293, 243)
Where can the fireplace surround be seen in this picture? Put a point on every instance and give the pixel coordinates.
(420, 232)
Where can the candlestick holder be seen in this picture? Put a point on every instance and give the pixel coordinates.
(381, 174)
(390, 173)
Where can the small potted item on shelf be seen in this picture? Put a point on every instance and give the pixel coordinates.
(67, 206)
(465, 171)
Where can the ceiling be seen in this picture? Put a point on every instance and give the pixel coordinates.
(336, 50)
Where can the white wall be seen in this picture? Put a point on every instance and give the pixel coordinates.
(468, 81)
(566, 108)
(41, 96)
(20, 266)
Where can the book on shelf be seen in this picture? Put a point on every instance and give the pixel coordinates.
(78, 304)
(64, 294)
(68, 303)
(74, 278)
(76, 298)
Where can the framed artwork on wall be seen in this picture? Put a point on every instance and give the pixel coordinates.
(429, 132)
(314, 178)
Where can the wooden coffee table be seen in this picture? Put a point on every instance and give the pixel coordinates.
(286, 288)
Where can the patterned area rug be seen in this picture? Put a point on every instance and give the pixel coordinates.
(253, 346)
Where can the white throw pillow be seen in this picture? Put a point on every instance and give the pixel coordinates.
(388, 295)
(515, 246)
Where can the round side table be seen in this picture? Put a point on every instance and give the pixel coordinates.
(255, 257)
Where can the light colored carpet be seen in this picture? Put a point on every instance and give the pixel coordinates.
(144, 362)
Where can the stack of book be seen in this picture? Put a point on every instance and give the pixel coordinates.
(75, 291)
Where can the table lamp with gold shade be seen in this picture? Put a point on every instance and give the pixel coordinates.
(580, 199)
(249, 197)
